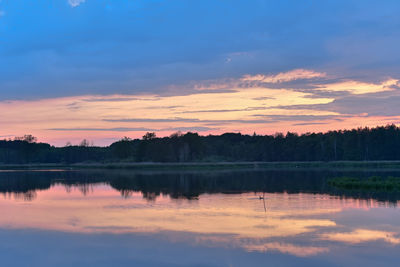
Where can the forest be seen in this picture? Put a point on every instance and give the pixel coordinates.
(361, 144)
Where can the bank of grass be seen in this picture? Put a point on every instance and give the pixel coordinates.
(342, 165)
(373, 183)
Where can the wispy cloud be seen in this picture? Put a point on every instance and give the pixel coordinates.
(153, 120)
(264, 98)
(297, 74)
(368, 104)
(189, 129)
(2, 13)
(224, 110)
(316, 84)
(139, 129)
(75, 3)
(309, 123)
(119, 99)
(118, 129)
(301, 117)
(266, 119)
(191, 120)
(358, 88)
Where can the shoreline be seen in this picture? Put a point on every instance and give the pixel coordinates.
(383, 165)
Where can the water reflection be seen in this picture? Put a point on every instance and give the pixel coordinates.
(254, 212)
(188, 185)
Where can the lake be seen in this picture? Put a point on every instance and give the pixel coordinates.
(206, 218)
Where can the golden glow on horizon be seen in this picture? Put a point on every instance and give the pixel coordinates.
(207, 109)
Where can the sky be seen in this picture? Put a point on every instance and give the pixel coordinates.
(102, 70)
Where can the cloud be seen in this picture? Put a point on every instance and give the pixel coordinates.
(266, 119)
(238, 121)
(119, 129)
(264, 98)
(357, 87)
(322, 87)
(313, 83)
(152, 120)
(75, 3)
(223, 110)
(309, 123)
(131, 56)
(118, 99)
(138, 129)
(297, 74)
(189, 129)
(301, 117)
(370, 105)
(190, 120)
(2, 13)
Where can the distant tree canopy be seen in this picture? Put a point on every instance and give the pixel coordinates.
(379, 143)
(149, 136)
(26, 138)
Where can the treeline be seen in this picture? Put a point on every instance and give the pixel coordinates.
(362, 144)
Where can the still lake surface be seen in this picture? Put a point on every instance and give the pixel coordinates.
(210, 218)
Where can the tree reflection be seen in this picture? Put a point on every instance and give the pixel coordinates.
(187, 185)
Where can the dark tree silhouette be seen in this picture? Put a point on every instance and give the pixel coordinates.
(149, 136)
(362, 144)
(27, 138)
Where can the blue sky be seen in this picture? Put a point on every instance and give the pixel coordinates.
(50, 48)
(72, 48)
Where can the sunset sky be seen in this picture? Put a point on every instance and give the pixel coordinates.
(102, 70)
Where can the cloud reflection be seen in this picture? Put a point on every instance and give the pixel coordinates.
(362, 236)
(289, 225)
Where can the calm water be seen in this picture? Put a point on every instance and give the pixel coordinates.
(244, 218)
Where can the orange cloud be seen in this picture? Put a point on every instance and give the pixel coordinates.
(357, 88)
